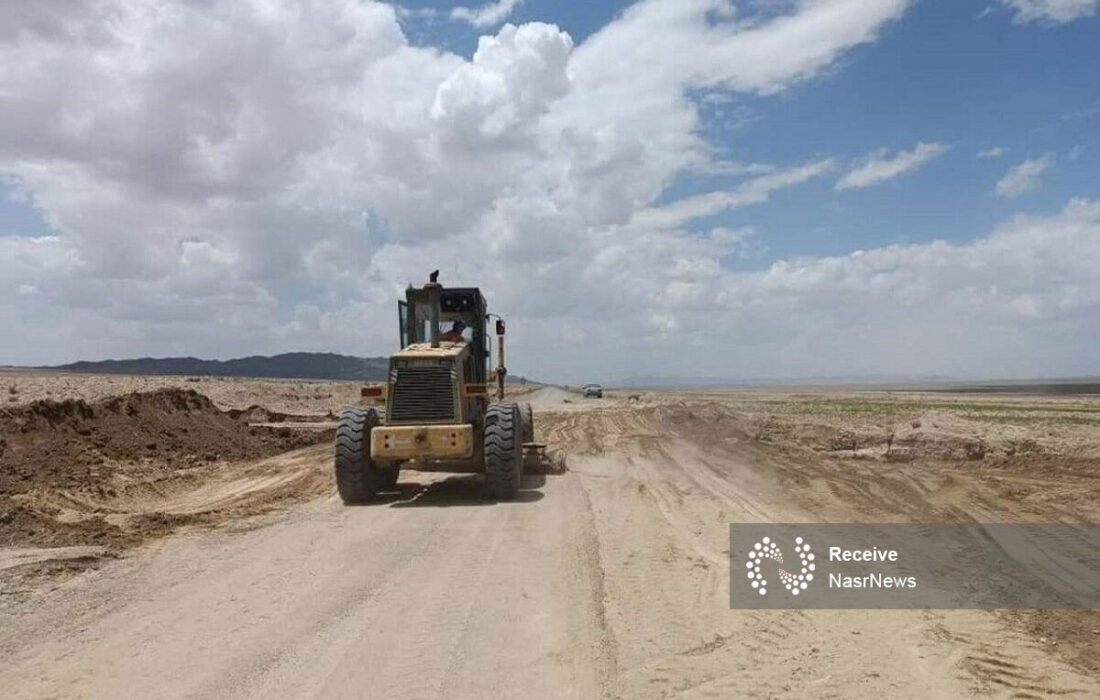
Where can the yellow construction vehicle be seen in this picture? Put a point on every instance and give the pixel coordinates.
(435, 408)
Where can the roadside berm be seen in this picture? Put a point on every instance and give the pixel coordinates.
(114, 471)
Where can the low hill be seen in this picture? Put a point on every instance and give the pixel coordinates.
(291, 365)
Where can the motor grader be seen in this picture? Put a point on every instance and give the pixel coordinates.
(435, 410)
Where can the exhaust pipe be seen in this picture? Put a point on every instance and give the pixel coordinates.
(434, 289)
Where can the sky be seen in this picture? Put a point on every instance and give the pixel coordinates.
(749, 189)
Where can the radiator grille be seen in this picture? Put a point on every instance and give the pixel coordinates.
(422, 394)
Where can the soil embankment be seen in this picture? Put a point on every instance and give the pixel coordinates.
(113, 471)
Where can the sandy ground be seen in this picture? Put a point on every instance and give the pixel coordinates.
(610, 580)
(18, 387)
(311, 397)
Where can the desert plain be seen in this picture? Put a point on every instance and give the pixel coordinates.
(181, 537)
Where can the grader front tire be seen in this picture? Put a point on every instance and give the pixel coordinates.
(503, 450)
(357, 478)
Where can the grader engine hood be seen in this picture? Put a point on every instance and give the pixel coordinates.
(424, 384)
(425, 350)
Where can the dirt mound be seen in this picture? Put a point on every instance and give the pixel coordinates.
(35, 525)
(73, 472)
(64, 444)
(261, 414)
(929, 437)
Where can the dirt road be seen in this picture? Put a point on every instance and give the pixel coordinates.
(610, 580)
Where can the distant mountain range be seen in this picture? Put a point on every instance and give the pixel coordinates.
(291, 365)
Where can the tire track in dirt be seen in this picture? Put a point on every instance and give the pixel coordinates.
(663, 495)
(424, 656)
(595, 656)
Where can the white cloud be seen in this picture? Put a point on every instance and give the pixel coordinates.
(1052, 11)
(1023, 177)
(881, 166)
(1086, 113)
(422, 13)
(699, 50)
(488, 15)
(993, 152)
(1016, 302)
(232, 177)
(754, 191)
(727, 167)
(940, 307)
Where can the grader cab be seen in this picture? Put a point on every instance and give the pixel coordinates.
(441, 406)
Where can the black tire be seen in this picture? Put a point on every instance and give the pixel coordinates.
(528, 417)
(389, 477)
(503, 450)
(357, 478)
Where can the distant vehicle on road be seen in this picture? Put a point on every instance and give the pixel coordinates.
(593, 391)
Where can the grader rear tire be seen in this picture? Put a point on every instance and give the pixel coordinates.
(503, 450)
(357, 478)
(528, 417)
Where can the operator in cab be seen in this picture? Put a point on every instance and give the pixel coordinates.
(455, 334)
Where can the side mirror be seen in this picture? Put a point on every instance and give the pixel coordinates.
(500, 326)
